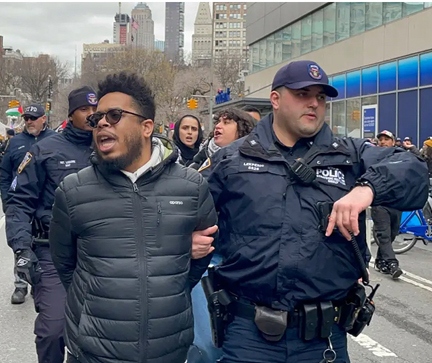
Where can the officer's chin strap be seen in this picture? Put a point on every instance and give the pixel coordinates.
(329, 354)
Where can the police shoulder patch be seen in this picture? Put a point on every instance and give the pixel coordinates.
(205, 165)
(27, 158)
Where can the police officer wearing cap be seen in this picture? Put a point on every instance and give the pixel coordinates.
(281, 192)
(35, 129)
(28, 216)
(386, 225)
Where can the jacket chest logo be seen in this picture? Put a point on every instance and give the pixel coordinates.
(67, 163)
(248, 166)
(331, 175)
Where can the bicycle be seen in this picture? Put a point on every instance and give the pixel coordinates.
(414, 227)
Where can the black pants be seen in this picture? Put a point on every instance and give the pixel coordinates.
(386, 228)
(49, 300)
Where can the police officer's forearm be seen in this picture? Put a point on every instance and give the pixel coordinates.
(400, 182)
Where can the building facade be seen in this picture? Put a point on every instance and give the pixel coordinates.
(174, 31)
(94, 56)
(120, 28)
(141, 30)
(230, 30)
(202, 36)
(378, 56)
(159, 45)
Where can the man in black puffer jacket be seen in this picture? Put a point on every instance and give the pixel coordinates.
(121, 237)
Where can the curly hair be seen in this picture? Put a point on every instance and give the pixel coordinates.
(245, 122)
(132, 85)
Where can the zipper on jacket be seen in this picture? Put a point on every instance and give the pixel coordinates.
(159, 213)
(142, 263)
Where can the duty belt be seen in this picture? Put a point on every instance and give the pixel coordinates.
(314, 320)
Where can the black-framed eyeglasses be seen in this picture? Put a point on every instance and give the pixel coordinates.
(112, 117)
(31, 118)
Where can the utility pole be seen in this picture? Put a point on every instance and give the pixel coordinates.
(210, 118)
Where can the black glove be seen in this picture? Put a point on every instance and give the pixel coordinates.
(28, 267)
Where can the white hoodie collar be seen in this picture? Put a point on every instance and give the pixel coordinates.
(158, 151)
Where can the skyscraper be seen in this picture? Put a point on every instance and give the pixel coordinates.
(202, 36)
(120, 27)
(174, 31)
(230, 30)
(142, 27)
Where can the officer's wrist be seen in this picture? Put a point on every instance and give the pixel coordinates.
(362, 183)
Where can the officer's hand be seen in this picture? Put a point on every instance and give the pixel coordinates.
(28, 267)
(346, 210)
(201, 242)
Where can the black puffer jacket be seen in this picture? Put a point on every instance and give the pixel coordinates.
(122, 250)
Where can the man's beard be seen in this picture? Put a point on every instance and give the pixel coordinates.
(133, 153)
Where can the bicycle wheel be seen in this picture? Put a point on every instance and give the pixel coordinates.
(403, 243)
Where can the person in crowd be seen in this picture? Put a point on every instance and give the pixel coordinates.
(386, 225)
(29, 212)
(253, 111)
(289, 197)
(426, 153)
(187, 137)
(35, 130)
(409, 146)
(10, 133)
(230, 124)
(398, 142)
(121, 236)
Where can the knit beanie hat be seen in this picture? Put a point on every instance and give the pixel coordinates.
(84, 96)
(428, 142)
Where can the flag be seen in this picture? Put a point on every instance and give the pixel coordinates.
(135, 25)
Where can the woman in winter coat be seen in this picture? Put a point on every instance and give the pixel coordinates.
(187, 137)
(230, 124)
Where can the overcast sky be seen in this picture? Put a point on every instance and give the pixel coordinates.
(57, 28)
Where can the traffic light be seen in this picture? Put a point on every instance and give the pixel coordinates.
(48, 106)
(13, 103)
(192, 103)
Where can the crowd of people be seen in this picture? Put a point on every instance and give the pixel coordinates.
(114, 226)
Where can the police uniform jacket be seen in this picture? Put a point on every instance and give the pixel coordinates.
(122, 250)
(14, 154)
(32, 190)
(274, 251)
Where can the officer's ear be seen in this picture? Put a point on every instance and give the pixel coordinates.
(275, 96)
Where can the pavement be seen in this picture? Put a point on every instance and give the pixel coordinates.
(401, 329)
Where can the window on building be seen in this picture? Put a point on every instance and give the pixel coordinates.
(286, 43)
(409, 8)
(263, 53)
(306, 35)
(353, 117)
(255, 57)
(329, 24)
(278, 47)
(357, 18)
(374, 15)
(270, 46)
(296, 39)
(338, 118)
(392, 11)
(342, 21)
(327, 118)
(317, 29)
